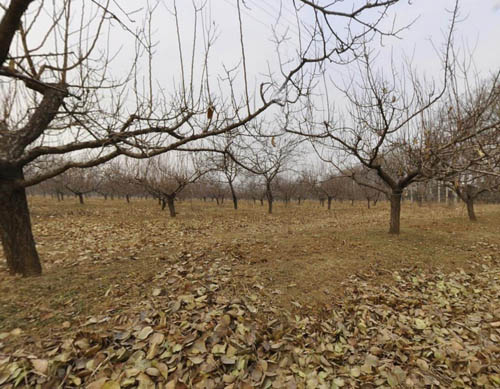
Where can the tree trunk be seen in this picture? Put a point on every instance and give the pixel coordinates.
(80, 197)
(15, 230)
(395, 200)
(368, 201)
(470, 209)
(171, 205)
(329, 202)
(269, 195)
(127, 197)
(233, 195)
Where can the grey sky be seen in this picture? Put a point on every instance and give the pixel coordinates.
(479, 29)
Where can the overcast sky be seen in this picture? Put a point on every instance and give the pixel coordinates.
(478, 30)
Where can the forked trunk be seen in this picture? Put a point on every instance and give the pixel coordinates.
(15, 229)
(470, 209)
(395, 212)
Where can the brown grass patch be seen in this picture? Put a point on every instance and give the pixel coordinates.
(102, 258)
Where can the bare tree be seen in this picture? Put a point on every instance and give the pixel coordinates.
(367, 183)
(226, 165)
(251, 187)
(287, 187)
(382, 123)
(267, 154)
(465, 143)
(118, 180)
(81, 182)
(60, 97)
(165, 178)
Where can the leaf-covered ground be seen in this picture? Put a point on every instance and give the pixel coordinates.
(214, 299)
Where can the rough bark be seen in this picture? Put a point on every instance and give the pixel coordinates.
(171, 205)
(269, 195)
(470, 209)
(395, 200)
(9, 25)
(233, 196)
(15, 227)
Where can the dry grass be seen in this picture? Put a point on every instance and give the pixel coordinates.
(102, 258)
